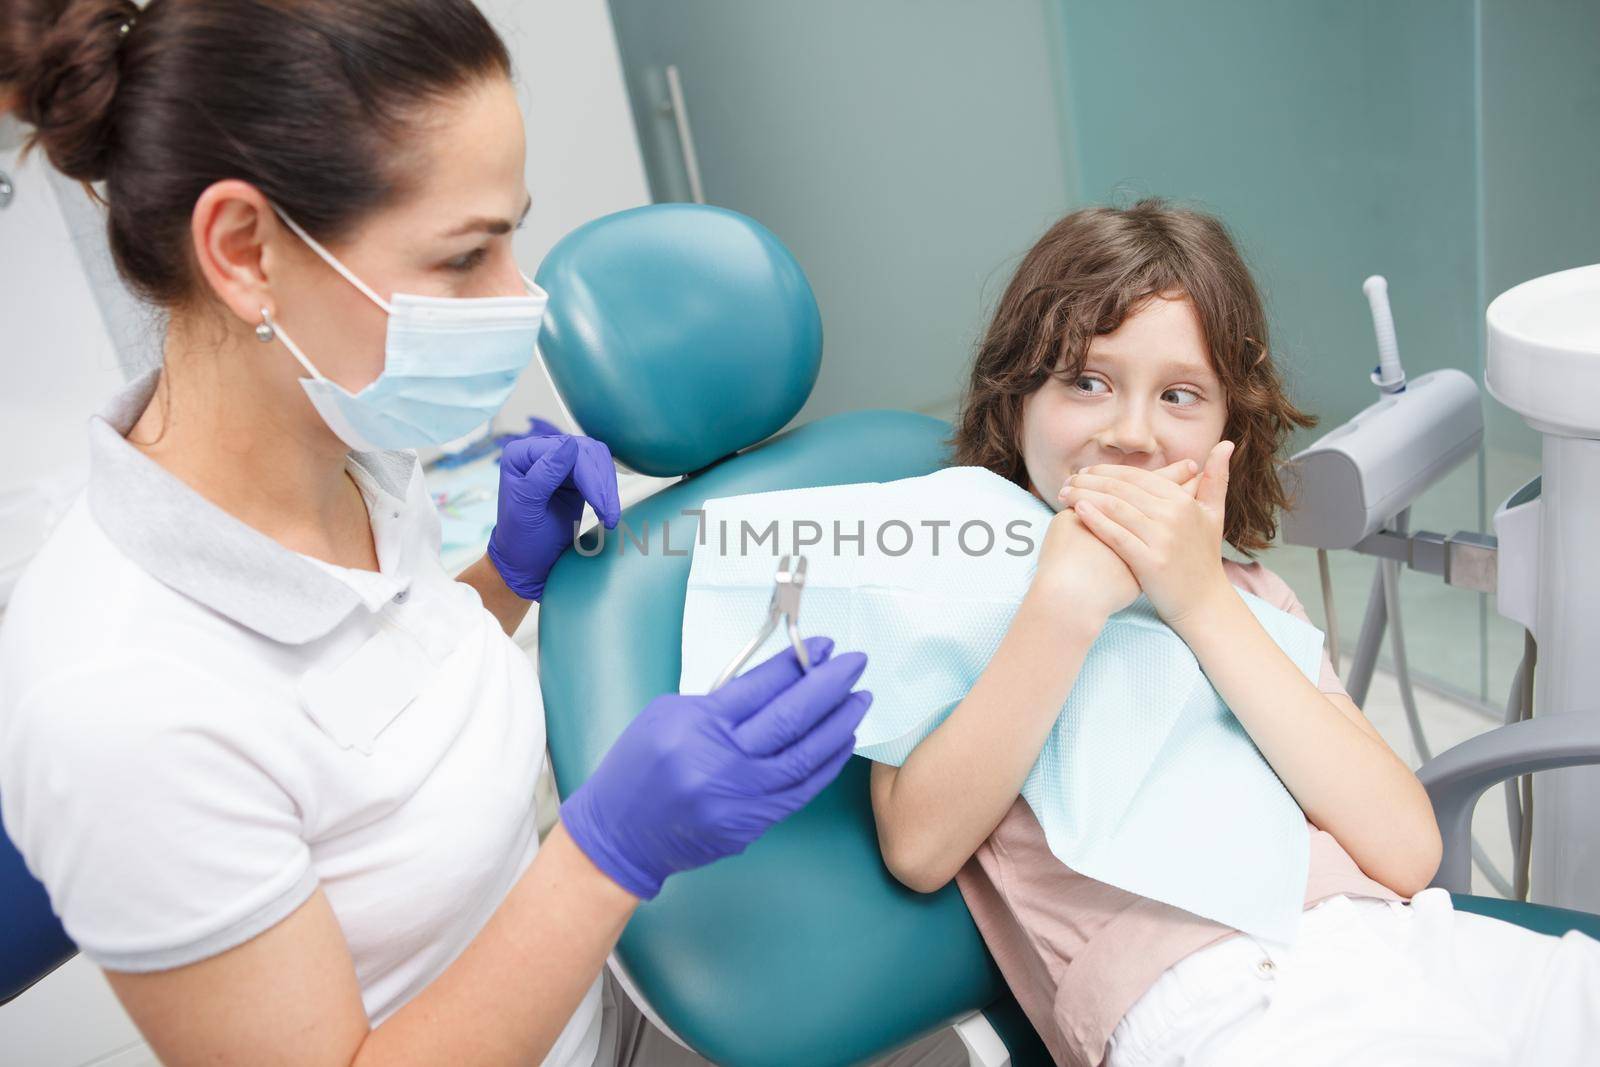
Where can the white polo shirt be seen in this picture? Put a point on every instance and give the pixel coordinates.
(199, 727)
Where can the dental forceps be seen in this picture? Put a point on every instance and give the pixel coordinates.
(786, 591)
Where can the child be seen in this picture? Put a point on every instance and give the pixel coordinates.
(1126, 381)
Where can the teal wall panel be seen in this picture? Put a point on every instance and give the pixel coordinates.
(1336, 139)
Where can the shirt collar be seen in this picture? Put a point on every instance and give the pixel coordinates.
(197, 549)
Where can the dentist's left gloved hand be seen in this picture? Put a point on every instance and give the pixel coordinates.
(544, 482)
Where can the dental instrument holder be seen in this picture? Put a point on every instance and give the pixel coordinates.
(786, 589)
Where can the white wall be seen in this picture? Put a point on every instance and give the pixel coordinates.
(56, 356)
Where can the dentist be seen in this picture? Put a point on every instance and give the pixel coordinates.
(274, 766)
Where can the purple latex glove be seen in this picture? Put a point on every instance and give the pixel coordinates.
(697, 778)
(544, 481)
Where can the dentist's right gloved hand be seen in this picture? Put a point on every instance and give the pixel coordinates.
(697, 778)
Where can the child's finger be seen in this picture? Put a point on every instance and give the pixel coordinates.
(1179, 470)
(1175, 472)
(1214, 491)
(1149, 481)
(1135, 494)
(1126, 515)
(1133, 551)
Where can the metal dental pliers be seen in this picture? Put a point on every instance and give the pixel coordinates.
(786, 591)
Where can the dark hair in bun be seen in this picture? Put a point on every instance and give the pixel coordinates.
(311, 101)
(62, 59)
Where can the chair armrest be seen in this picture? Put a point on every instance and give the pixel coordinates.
(1456, 778)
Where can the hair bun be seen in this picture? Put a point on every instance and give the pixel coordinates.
(60, 60)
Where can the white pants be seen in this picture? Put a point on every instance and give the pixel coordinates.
(1374, 982)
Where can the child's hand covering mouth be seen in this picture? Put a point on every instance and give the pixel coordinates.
(1170, 539)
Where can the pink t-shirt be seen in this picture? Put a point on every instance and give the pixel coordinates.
(1077, 952)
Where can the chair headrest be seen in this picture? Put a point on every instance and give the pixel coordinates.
(678, 334)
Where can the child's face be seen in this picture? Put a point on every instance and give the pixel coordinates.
(1147, 397)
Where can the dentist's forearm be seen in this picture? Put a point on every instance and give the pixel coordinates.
(959, 783)
(1347, 782)
(508, 996)
(507, 607)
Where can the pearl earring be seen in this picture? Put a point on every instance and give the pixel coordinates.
(264, 332)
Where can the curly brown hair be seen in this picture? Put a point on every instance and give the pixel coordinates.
(1087, 274)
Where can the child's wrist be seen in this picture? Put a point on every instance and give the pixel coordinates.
(1209, 611)
(1066, 610)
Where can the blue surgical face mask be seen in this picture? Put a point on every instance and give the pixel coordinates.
(449, 364)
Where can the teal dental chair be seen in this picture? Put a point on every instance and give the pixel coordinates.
(684, 337)
(681, 335)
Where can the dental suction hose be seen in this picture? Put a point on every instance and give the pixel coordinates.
(1388, 375)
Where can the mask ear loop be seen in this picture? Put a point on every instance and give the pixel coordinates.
(274, 330)
(332, 261)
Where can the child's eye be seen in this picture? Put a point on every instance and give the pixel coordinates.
(1086, 378)
(468, 261)
(1191, 392)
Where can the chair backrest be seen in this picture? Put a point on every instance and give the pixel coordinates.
(804, 949)
(716, 325)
